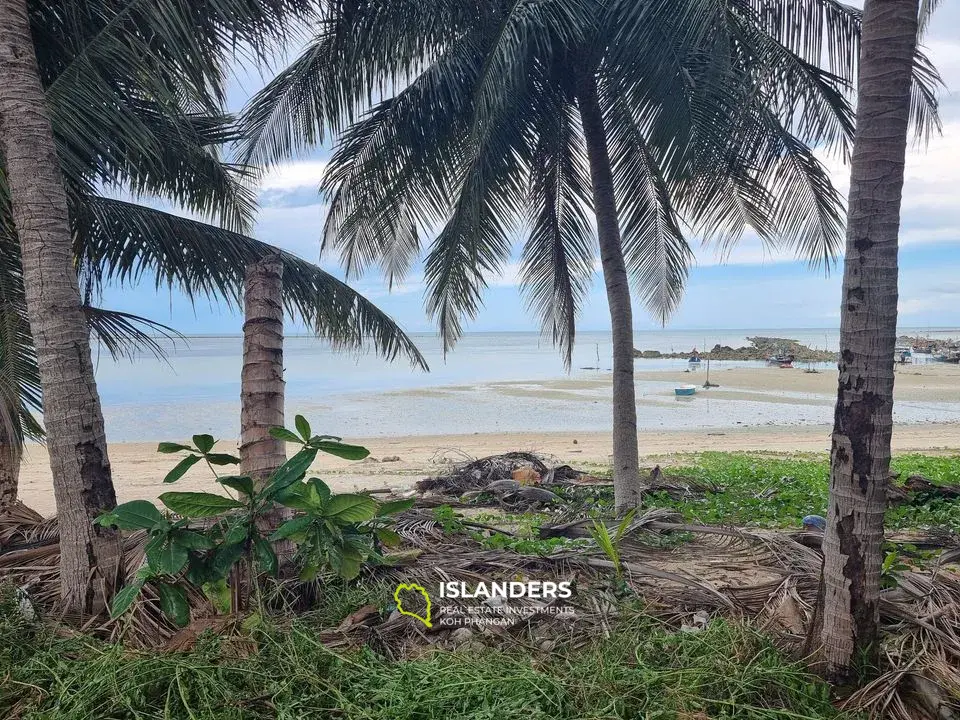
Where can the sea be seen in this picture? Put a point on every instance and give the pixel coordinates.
(489, 383)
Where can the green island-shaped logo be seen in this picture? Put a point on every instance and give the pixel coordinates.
(413, 587)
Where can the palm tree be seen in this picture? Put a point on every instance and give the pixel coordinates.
(158, 78)
(504, 116)
(73, 418)
(261, 385)
(863, 422)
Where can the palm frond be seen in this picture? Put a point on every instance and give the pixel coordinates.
(129, 336)
(127, 243)
(393, 172)
(557, 263)
(654, 247)
(361, 51)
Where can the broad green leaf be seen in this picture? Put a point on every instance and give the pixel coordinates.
(222, 459)
(346, 565)
(292, 527)
(173, 603)
(388, 537)
(225, 559)
(265, 556)
(191, 540)
(291, 471)
(240, 483)
(218, 593)
(152, 550)
(294, 496)
(170, 447)
(350, 508)
(124, 599)
(343, 450)
(172, 559)
(303, 427)
(198, 505)
(394, 506)
(181, 468)
(198, 570)
(204, 443)
(281, 433)
(322, 490)
(133, 515)
(309, 573)
(237, 532)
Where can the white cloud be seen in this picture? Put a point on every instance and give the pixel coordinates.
(294, 175)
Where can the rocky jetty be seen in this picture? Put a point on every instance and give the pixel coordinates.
(760, 348)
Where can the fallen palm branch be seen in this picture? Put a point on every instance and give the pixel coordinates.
(769, 577)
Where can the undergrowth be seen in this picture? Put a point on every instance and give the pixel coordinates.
(642, 670)
(768, 491)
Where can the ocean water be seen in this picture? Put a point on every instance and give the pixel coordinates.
(491, 382)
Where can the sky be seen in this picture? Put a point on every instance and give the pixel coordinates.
(749, 288)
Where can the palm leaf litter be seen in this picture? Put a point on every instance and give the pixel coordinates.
(685, 574)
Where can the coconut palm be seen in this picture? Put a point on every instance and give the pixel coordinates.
(127, 95)
(659, 117)
(863, 421)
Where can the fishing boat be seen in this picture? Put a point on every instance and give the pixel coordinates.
(694, 357)
(781, 359)
(903, 354)
(684, 390)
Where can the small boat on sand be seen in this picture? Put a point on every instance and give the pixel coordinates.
(683, 390)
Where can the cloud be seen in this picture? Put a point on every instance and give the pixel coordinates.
(294, 175)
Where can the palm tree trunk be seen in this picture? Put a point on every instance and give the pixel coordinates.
(261, 382)
(626, 462)
(9, 469)
(89, 555)
(863, 421)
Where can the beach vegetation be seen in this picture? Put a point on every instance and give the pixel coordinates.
(335, 532)
(127, 103)
(640, 668)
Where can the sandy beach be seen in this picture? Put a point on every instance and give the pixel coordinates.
(139, 469)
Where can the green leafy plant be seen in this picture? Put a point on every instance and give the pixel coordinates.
(611, 544)
(337, 531)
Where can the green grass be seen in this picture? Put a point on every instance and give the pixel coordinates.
(644, 670)
(768, 491)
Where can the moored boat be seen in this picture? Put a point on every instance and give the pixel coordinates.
(684, 390)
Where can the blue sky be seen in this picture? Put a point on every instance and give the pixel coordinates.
(750, 288)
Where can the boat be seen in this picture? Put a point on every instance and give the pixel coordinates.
(694, 357)
(684, 390)
(903, 354)
(781, 359)
(953, 357)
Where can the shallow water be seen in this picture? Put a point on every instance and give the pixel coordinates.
(197, 388)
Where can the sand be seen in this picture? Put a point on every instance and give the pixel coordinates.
(139, 469)
(933, 382)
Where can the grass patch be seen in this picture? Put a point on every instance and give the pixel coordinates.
(769, 491)
(644, 670)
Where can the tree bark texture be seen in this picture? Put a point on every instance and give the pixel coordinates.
(89, 554)
(10, 456)
(626, 463)
(261, 383)
(863, 420)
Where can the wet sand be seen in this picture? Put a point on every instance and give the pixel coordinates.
(139, 469)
